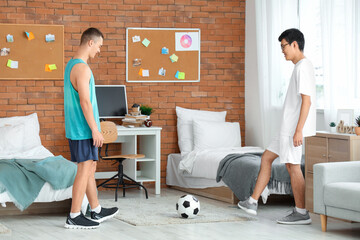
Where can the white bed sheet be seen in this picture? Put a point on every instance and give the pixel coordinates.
(184, 180)
(204, 163)
(47, 193)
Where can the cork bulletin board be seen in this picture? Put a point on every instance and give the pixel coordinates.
(163, 55)
(30, 59)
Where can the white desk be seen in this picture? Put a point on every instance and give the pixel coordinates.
(140, 140)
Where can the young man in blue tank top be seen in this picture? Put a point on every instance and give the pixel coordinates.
(82, 127)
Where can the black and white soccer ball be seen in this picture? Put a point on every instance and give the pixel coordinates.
(188, 206)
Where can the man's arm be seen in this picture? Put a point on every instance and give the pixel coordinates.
(304, 111)
(82, 76)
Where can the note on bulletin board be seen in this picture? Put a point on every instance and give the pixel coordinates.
(163, 54)
(31, 51)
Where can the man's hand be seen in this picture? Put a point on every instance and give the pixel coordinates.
(298, 139)
(97, 138)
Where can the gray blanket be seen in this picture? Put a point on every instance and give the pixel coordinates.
(240, 171)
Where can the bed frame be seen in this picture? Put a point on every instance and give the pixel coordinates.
(223, 194)
(37, 208)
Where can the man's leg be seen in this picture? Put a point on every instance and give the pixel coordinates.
(80, 185)
(299, 214)
(98, 213)
(297, 184)
(250, 205)
(264, 174)
(76, 220)
(91, 192)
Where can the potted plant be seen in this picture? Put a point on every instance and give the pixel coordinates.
(332, 127)
(146, 110)
(357, 128)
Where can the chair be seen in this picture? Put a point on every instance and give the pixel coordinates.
(109, 132)
(337, 191)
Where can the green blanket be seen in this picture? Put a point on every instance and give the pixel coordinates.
(24, 178)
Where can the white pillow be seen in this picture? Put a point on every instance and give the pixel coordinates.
(185, 118)
(31, 128)
(11, 139)
(212, 135)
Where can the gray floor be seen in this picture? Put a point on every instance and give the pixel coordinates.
(265, 227)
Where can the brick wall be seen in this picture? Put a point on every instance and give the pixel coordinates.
(222, 24)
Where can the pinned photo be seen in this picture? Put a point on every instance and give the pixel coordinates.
(9, 38)
(50, 38)
(136, 62)
(5, 51)
(136, 38)
(162, 72)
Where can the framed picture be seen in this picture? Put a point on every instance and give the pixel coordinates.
(347, 115)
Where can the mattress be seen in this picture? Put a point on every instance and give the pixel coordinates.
(175, 178)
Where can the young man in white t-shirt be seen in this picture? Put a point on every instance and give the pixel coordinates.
(298, 121)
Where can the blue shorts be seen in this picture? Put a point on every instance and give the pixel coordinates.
(83, 150)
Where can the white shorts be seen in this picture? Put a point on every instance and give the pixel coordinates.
(284, 147)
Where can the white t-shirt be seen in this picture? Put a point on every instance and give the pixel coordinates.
(302, 82)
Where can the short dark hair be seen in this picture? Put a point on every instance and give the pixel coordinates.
(90, 34)
(292, 35)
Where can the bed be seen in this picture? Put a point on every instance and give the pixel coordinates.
(212, 162)
(21, 152)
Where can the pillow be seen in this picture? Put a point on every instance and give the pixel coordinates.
(211, 135)
(11, 138)
(185, 118)
(31, 126)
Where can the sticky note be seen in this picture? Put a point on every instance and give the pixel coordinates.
(9, 38)
(146, 42)
(30, 35)
(136, 38)
(52, 67)
(164, 50)
(181, 75)
(47, 68)
(162, 72)
(145, 73)
(49, 38)
(174, 58)
(12, 64)
(140, 72)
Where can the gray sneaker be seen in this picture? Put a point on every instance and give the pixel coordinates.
(248, 207)
(296, 218)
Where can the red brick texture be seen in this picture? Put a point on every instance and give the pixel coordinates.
(222, 24)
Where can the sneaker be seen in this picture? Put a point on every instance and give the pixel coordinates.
(296, 218)
(80, 222)
(104, 214)
(248, 207)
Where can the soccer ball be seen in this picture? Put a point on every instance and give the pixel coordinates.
(188, 206)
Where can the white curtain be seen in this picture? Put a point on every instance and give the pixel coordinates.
(340, 33)
(272, 18)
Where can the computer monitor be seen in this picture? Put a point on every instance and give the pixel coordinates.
(112, 101)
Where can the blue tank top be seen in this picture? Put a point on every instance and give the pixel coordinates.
(76, 126)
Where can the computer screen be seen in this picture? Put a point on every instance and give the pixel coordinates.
(112, 101)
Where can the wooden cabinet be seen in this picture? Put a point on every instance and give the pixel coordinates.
(327, 147)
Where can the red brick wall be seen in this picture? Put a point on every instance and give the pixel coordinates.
(222, 24)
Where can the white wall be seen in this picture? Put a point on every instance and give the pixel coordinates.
(253, 131)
